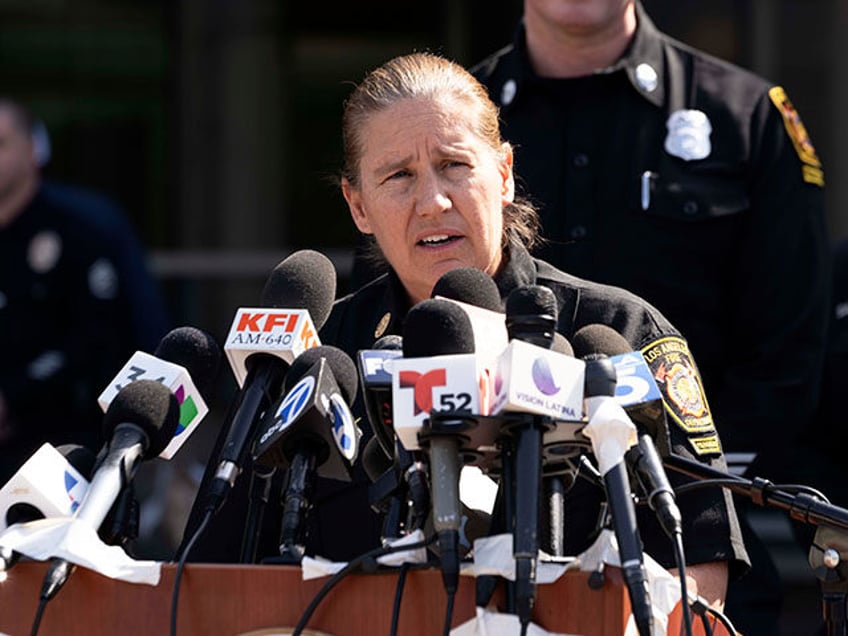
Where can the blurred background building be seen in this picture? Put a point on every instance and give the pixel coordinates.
(215, 123)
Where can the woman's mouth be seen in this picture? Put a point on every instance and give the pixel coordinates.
(437, 240)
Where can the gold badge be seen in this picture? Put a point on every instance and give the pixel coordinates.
(811, 171)
(680, 383)
(380, 329)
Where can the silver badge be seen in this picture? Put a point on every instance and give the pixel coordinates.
(646, 77)
(688, 135)
(44, 251)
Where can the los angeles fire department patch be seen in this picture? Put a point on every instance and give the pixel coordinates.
(678, 379)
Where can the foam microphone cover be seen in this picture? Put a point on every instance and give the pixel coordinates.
(436, 327)
(469, 285)
(531, 314)
(561, 345)
(195, 350)
(149, 405)
(389, 342)
(343, 369)
(304, 280)
(594, 340)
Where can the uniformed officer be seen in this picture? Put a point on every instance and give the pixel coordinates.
(76, 300)
(688, 181)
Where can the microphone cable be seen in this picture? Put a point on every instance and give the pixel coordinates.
(175, 595)
(367, 560)
(702, 609)
(404, 568)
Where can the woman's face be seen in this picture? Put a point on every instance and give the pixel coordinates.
(431, 191)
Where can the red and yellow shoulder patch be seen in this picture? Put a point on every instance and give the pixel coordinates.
(811, 170)
(683, 393)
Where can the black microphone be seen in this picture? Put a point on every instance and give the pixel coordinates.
(471, 286)
(433, 328)
(531, 316)
(599, 389)
(197, 351)
(304, 280)
(139, 423)
(646, 409)
(403, 477)
(311, 432)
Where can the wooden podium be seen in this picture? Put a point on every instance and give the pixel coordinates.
(227, 600)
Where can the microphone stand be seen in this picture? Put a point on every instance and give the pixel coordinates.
(828, 555)
(261, 480)
(527, 432)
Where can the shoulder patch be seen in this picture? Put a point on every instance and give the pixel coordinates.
(811, 171)
(680, 383)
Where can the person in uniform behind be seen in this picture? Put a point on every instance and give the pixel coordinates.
(76, 300)
(694, 184)
(428, 175)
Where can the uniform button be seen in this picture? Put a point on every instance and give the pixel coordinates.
(690, 208)
(580, 160)
(578, 232)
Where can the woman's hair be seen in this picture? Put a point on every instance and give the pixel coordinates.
(429, 76)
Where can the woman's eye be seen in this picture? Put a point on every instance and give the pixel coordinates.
(397, 175)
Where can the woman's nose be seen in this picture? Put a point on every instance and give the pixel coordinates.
(432, 197)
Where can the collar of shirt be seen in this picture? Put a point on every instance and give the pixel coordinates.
(643, 62)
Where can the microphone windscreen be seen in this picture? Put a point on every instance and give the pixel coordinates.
(304, 280)
(149, 405)
(390, 342)
(599, 339)
(195, 350)
(343, 369)
(469, 285)
(561, 345)
(437, 327)
(531, 300)
(374, 459)
(80, 457)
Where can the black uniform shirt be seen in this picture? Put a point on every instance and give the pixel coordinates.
(710, 527)
(76, 300)
(719, 222)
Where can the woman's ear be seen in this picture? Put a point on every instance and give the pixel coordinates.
(354, 202)
(507, 176)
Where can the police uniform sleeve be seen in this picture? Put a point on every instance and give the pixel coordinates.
(777, 310)
(710, 526)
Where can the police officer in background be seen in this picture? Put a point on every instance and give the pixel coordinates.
(76, 300)
(692, 183)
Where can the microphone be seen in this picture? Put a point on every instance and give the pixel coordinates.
(477, 294)
(310, 431)
(187, 361)
(403, 477)
(438, 341)
(375, 377)
(51, 483)
(638, 393)
(260, 346)
(139, 423)
(469, 285)
(608, 429)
